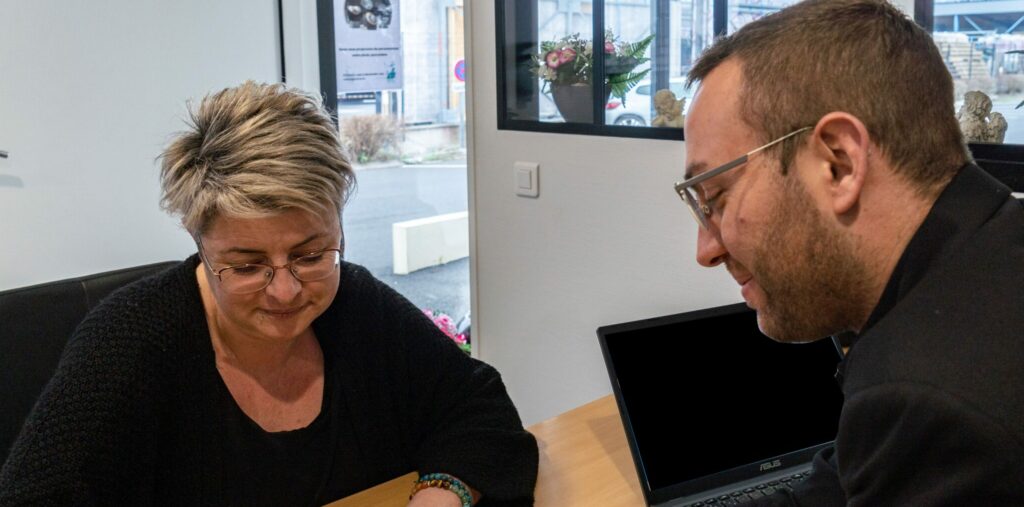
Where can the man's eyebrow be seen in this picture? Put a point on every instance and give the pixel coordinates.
(694, 169)
(252, 251)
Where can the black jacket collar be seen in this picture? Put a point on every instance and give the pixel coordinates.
(970, 199)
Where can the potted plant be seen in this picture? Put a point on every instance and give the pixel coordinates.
(566, 66)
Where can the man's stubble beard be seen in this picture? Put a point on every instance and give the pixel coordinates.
(814, 283)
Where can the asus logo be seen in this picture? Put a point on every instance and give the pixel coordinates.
(771, 464)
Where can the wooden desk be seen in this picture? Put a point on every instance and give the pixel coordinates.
(584, 461)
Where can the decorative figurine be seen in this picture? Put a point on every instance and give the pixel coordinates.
(996, 128)
(977, 121)
(670, 110)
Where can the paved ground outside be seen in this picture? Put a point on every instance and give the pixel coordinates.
(386, 195)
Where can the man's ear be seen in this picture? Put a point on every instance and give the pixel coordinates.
(844, 147)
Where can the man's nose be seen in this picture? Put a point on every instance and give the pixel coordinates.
(710, 250)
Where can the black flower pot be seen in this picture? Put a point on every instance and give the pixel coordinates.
(575, 102)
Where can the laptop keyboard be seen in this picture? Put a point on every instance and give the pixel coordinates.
(750, 494)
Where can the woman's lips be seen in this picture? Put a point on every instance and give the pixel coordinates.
(283, 314)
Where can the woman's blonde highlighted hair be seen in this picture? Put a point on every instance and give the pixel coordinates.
(252, 151)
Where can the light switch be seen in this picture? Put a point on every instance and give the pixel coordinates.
(527, 176)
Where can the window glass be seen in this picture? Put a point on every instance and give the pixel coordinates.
(745, 11)
(688, 30)
(688, 27)
(548, 61)
(400, 103)
(629, 25)
(563, 60)
(983, 45)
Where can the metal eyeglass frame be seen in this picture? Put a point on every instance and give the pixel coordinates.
(273, 268)
(702, 211)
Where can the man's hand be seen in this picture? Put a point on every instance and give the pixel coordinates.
(435, 497)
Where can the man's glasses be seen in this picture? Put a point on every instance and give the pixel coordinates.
(693, 196)
(248, 278)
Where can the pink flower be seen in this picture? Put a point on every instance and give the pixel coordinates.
(609, 47)
(567, 55)
(447, 326)
(444, 322)
(552, 59)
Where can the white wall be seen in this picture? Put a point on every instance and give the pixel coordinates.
(607, 241)
(90, 93)
(301, 46)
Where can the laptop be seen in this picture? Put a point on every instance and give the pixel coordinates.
(715, 412)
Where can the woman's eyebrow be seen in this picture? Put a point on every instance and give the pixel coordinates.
(242, 250)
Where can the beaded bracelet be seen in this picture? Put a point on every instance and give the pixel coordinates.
(443, 481)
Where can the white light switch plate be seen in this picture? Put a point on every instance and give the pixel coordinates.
(527, 178)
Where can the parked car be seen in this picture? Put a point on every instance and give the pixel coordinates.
(636, 110)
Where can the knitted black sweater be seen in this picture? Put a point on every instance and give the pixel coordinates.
(137, 413)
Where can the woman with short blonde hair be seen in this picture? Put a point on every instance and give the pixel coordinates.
(264, 370)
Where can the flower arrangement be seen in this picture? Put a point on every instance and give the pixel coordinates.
(570, 60)
(447, 326)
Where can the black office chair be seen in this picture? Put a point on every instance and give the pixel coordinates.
(35, 324)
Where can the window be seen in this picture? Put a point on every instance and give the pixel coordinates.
(550, 81)
(982, 42)
(745, 11)
(397, 70)
(983, 45)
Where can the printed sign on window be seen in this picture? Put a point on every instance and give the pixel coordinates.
(368, 36)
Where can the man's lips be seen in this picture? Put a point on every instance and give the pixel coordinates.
(744, 279)
(746, 287)
(741, 278)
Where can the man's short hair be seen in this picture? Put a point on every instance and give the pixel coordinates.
(255, 150)
(863, 57)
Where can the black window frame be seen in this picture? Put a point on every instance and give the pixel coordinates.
(924, 14)
(523, 24)
(327, 56)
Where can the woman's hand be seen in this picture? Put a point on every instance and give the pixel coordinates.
(435, 497)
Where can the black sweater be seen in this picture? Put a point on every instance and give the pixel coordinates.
(137, 413)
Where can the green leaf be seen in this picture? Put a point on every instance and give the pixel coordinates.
(639, 48)
(621, 84)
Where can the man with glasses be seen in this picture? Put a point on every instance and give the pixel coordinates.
(853, 209)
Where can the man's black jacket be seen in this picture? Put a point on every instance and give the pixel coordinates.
(934, 384)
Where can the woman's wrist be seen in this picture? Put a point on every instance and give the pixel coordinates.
(443, 482)
(435, 497)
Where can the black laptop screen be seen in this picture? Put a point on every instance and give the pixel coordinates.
(709, 394)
